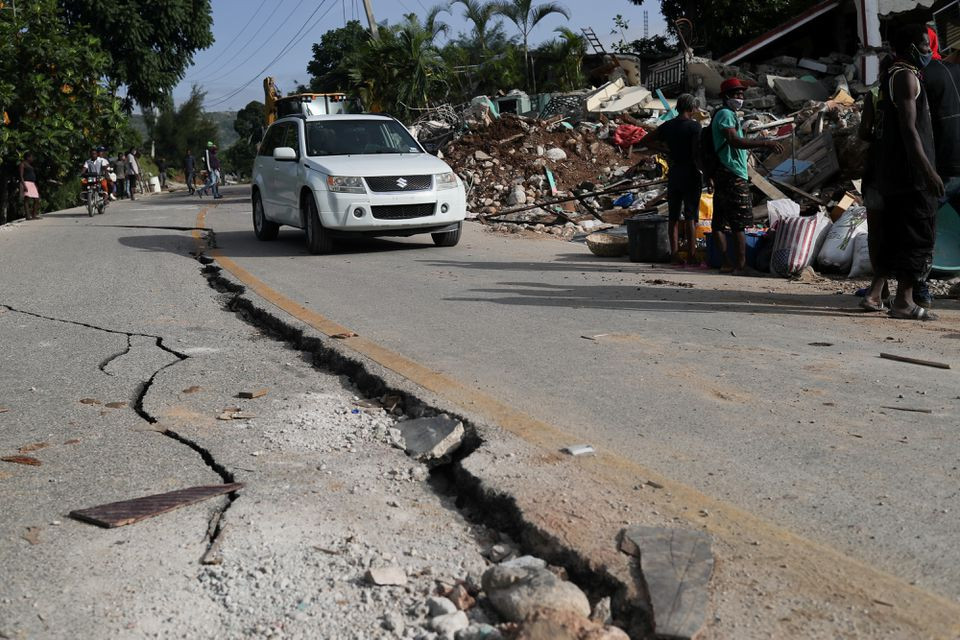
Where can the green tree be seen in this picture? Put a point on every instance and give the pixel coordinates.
(185, 127)
(403, 69)
(52, 101)
(327, 68)
(480, 14)
(723, 25)
(249, 125)
(525, 16)
(150, 44)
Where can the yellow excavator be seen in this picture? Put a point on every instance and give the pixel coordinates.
(277, 105)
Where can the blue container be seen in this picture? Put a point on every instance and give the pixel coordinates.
(753, 243)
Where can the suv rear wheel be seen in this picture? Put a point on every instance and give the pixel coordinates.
(264, 229)
(318, 240)
(448, 238)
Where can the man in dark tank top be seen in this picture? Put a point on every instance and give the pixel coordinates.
(910, 186)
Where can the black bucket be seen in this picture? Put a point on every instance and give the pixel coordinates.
(649, 240)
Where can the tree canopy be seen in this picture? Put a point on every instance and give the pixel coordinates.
(720, 26)
(327, 67)
(177, 129)
(52, 101)
(150, 42)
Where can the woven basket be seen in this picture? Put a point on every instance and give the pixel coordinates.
(607, 245)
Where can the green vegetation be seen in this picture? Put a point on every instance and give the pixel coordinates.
(61, 64)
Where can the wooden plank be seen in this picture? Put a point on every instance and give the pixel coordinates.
(925, 363)
(800, 192)
(764, 185)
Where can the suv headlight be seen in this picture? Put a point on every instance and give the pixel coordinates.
(446, 180)
(346, 184)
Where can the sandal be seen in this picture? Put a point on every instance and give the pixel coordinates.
(917, 313)
(867, 305)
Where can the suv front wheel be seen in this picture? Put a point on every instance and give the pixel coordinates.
(264, 229)
(448, 238)
(318, 240)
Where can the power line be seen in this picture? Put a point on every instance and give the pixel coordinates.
(266, 41)
(239, 33)
(290, 44)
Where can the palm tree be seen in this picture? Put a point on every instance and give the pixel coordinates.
(525, 16)
(479, 13)
(572, 47)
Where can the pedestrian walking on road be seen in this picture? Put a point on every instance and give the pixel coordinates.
(133, 172)
(906, 175)
(162, 168)
(29, 194)
(213, 167)
(190, 171)
(732, 202)
(120, 168)
(681, 138)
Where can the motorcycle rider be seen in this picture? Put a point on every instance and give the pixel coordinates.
(97, 166)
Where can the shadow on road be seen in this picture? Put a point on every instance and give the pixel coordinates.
(661, 299)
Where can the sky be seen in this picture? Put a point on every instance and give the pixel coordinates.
(258, 38)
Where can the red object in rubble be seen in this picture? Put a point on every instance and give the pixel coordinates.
(628, 134)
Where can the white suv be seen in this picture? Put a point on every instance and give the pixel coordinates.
(339, 175)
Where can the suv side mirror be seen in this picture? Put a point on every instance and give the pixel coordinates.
(284, 153)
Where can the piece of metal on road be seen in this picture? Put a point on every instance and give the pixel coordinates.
(118, 514)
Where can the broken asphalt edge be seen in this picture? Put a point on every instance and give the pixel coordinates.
(499, 509)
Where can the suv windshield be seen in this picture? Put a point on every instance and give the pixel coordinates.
(357, 137)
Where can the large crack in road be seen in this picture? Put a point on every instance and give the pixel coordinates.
(214, 528)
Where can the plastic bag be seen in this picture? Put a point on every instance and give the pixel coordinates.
(837, 251)
(861, 266)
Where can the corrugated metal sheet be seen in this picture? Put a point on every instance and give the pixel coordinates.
(117, 514)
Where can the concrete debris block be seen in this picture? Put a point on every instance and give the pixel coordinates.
(579, 449)
(546, 624)
(517, 592)
(796, 92)
(676, 566)
(517, 196)
(438, 606)
(500, 552)
(556, 154)
(431, 438)
(447, 625)
(528, 562)
(602, 611)
(812, 65)
(386, 576)
(461, 598)
(479, 632)
(480, 156)
(393, 621)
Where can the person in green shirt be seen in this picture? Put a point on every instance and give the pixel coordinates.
(732, 202)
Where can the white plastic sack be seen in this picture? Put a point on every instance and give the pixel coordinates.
(837, 251)
(861, 267)
(778, 210)
(797, 242)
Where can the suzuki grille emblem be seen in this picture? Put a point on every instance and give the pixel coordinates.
(402, 183)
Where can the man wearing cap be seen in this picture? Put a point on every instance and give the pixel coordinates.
(213, 166)
(732, 202)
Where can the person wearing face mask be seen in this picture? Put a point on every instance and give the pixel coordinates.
(907, 177)
(942, 82)
(732, 202)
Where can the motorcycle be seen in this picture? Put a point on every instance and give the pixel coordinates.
(95, 193)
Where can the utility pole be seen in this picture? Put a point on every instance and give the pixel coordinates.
(373, 23)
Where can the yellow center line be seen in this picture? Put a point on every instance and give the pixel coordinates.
(814, 564)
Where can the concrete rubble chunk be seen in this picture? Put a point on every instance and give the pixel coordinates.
(438, 606)
(479, 631)
(386, 576)
(556, 154)
(431, 438)
(796, 92)
(676, 565)
(516, 591)
(481, 156)
(547, 624)
(516, 196)
(448, 624)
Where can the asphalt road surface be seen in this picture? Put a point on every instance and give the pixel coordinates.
(766, 394)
